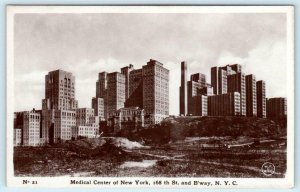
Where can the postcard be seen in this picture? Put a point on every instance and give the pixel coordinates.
(150, 96)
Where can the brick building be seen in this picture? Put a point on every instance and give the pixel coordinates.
(251, 96)
(277, 108)
(261, 99)
(224, 104)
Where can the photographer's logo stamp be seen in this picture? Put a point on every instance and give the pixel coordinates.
(268, 168)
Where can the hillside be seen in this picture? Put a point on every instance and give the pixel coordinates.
(177, 128)
(179, 146)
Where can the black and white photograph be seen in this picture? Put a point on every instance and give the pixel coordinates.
(151, 96)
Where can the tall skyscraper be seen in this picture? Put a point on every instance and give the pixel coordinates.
(183, 89)
(135, 89)
(111, 88)
(261, 99)
(237, 83)
(197, 82)
(98, 106)
(155, 92)
(126, 71)
(219, 79)
(115, 93)
(193, 93)
(251, 96)
(60, 91)
(99, 103)
(58, 107)
(48, 126)
(101, 85)
(214, 79)
(135, 80)
(229, 79)
(146, 88)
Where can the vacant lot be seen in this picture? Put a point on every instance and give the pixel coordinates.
(118, 157)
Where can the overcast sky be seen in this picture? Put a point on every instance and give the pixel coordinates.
(86, 44)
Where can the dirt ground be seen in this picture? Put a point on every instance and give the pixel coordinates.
(123, 158)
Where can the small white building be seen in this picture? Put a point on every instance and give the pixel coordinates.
(91, 131)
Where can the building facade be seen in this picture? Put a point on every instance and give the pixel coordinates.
(64, 120)
(193, 93)
(48, 126)
(135, 89)
(17, 137)
(196, 83)
(98, 106)
(146, 88)
(101, 85)
(31, 128)
(200, 105)
(87, 124)
(224, 105)
(229, 79)
(277, 108)
(207, 90)
(126, 71)
(58, 107)
(261, 99)
(84, 116)
(85, 132)
(251, 96)
(237, 83)
(59, 91)
(115, 92)
(155, 92)
(183, 90)
(111, 88)
(101, 92)
(131, 118)
(219, 80)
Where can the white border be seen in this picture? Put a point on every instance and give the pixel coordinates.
(286, 182)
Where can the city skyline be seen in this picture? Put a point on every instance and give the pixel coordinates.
(45, 41)
(61, 119)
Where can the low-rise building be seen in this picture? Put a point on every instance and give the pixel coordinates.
(87, 124)
(131, 118)
(89, 131)
(224, 104)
